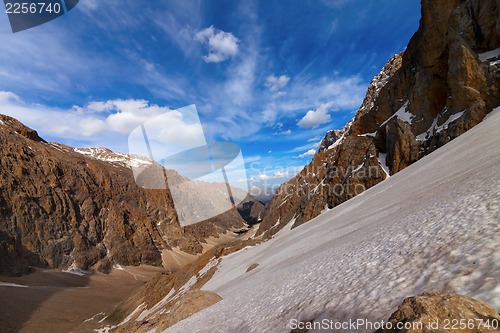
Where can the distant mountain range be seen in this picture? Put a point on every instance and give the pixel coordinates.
(263, 194)
(64, 207)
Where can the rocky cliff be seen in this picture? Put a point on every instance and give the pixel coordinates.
(251, 210)
(443, 84)
(61, 207)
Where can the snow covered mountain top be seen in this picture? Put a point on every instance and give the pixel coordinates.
(106, 155)
(433, 226)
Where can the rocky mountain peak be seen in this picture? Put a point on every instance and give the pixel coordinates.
(19, 128)
(378, 82)
(62, 207)
(330, 138)
(444, 83)
(107, 155)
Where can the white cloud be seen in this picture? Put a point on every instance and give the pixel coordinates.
(263, 176)
(276, 84)
(287, 132)
(280, 174)
(314, 118)
(275, 175)
(122, 116)
(27, 62)
(310, 152)
(99, 123)
(178, 19)
(300, 148)
(251, 159)
(232, 101)
(238, 88)
(221, 45)
(87, 5)
(279, 94)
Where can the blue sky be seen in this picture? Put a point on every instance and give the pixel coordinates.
(271, 76)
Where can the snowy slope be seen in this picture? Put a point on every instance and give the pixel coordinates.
(435, 225)
(106, 155)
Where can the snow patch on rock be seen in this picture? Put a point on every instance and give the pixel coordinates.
(402, 114)
(436, 129)
(382, 160)
(489, 54)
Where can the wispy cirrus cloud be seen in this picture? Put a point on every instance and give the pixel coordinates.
(180, 21)
(316, 138)
(45, 61)
(229, 105)
(287, 132)
(303, 94)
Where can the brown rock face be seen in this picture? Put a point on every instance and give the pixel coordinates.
(19, 128)
(443, 74)
(401, 146)
(329, 139)
(443, 313)
(59, 207)
(442, 85)
(251, 210)
(334, 176)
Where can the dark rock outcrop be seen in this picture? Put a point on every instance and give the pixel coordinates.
(444, 83)
(329, 139)
(20, 128)
(251, 210)
(401, 145)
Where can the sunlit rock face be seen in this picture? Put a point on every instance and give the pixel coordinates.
(444, 83)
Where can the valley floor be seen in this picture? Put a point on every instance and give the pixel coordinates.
(54, 301)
